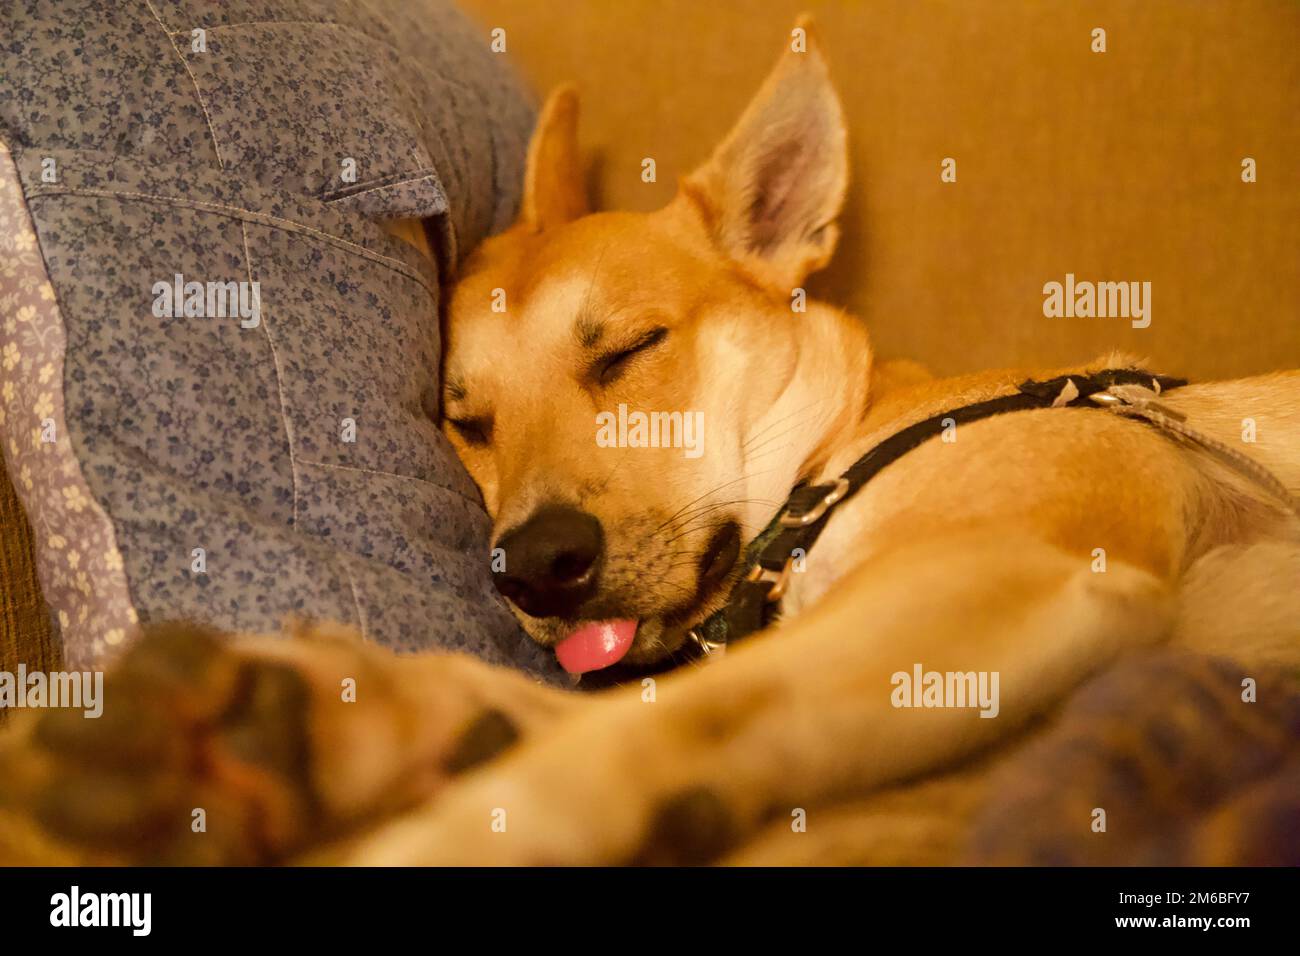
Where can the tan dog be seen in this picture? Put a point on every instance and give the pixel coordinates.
(688, 309)
(978, 554)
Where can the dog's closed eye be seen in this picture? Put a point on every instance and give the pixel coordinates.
(474, 431)
(611, 365)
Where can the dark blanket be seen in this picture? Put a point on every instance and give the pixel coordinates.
(1190, 763)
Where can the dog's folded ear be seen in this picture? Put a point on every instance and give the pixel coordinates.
(554, 187)
(772, 190)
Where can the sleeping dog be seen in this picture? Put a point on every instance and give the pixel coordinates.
(881, 554)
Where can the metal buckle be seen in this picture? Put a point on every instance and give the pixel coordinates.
(1135, 396)
(1106, 399)
(831, 497)
(780, 579)
(709, 648)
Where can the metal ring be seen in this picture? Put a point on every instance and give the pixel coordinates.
(830, 498)
(710, 648)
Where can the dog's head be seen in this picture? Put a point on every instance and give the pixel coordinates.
(626, 388)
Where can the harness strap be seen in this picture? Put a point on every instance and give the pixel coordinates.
(751, 605)
(1133, 401)
(754, 601)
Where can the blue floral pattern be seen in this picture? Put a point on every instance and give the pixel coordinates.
(249, 473)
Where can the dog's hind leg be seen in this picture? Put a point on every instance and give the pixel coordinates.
(811, 712)
(925, 823)
(1234, 601)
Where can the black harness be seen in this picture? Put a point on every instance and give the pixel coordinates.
(755, 600)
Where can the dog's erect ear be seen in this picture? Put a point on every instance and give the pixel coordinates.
(554, 191)
(772, 190)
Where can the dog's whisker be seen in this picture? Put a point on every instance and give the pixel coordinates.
(711, 491)
(797, 427)
(780, 421)
(703, 510)
(769, 452)
(798, 423)
(749, 475)
(696, 523)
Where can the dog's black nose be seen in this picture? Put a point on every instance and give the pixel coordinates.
(551, 561)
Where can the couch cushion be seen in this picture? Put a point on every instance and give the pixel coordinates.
(237, 468)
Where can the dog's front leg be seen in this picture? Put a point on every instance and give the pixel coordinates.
(815, 710)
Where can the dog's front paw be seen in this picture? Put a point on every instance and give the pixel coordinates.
(220, 751)
(200, 755)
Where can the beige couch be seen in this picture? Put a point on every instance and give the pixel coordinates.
(1115, 166)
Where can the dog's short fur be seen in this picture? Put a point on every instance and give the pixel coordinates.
(977, 554)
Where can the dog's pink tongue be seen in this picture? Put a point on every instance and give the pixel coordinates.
(595, 645)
